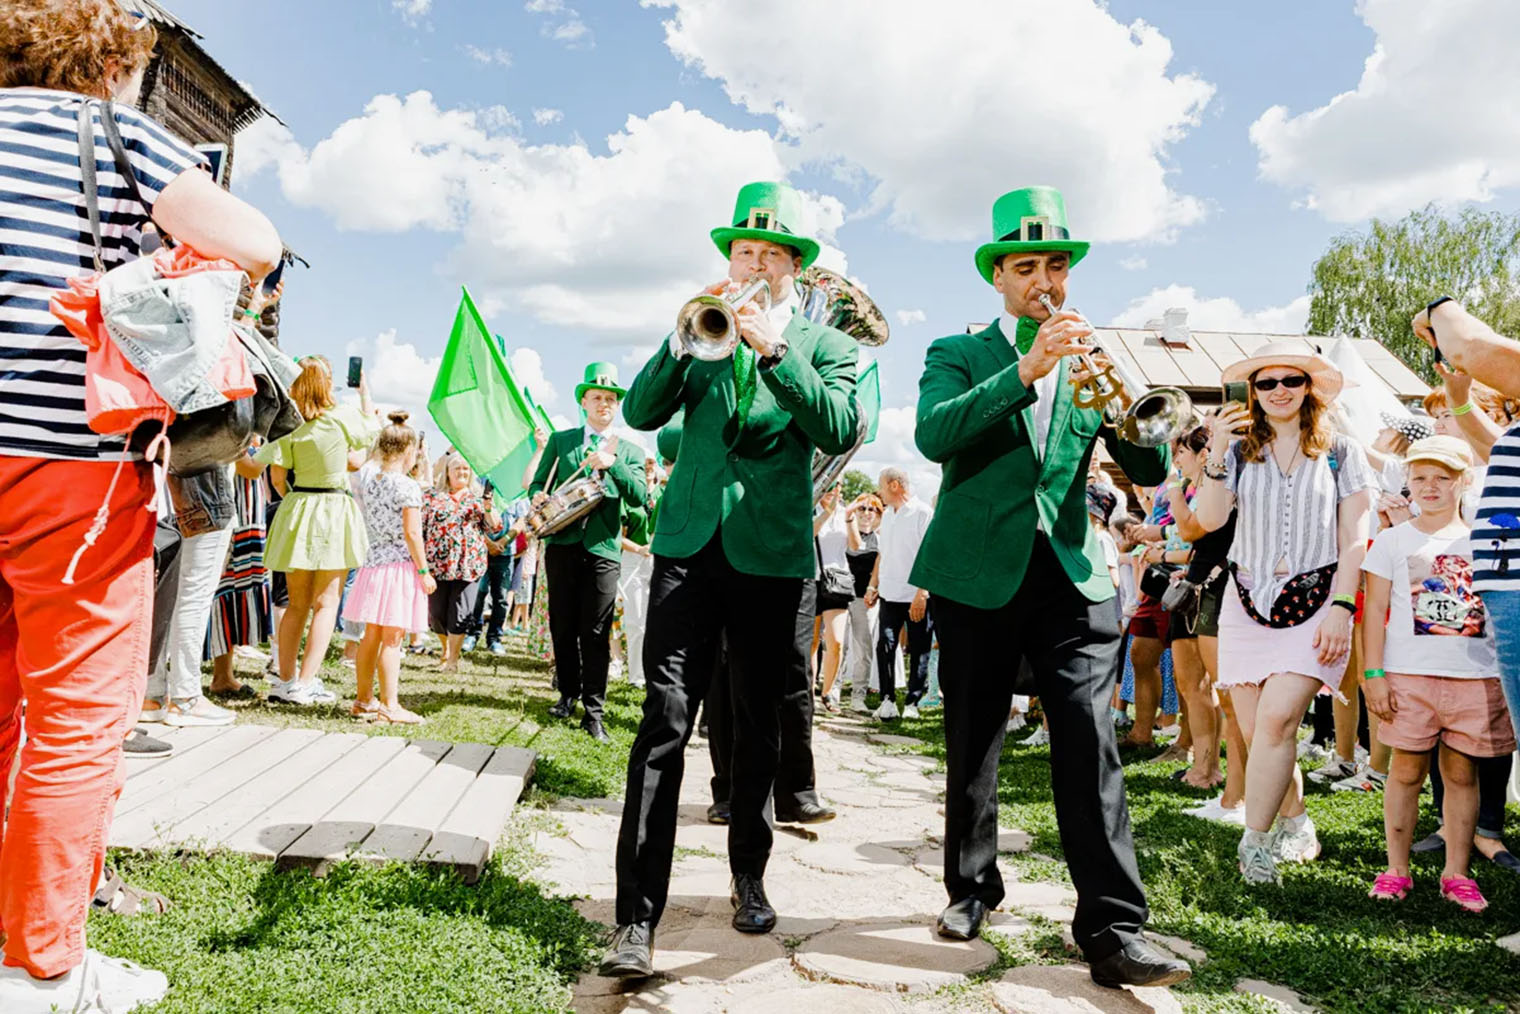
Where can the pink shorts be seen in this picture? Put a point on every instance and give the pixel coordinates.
(1468, 715)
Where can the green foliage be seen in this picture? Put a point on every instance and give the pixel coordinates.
(855, 483)
(1368, 285)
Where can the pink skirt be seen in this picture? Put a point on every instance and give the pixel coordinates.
(388, 595)
(1250, 652)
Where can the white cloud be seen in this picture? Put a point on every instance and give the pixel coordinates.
(564, 24)
(909, 317)
(528, 367)
(894, 446)
(1218, 314)
(609, 241)
(942, 122)
(544, 117)
(1433, 117)
(496, 57)
(412, 11)
(1133, 263)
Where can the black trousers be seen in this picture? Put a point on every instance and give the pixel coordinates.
(1070, 644)
(794, 771)
(892, 618)
(692, 602)
(582, 594)
(496, 580)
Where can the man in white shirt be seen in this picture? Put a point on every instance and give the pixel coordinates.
(902, 530)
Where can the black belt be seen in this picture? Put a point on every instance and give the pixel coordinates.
(318, 489)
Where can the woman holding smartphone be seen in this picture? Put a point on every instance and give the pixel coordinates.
(1303, 499)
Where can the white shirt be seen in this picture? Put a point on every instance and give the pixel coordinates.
(902, 531)
(1045, 388)
(833, 540)
(1437, 625)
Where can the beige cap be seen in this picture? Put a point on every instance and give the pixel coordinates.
(1453, 452)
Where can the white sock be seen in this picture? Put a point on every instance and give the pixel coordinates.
(1294, 823)
(1254, 837)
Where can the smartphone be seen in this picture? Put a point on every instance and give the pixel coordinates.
(486, 489)
(272, 279)
(1237, 392)
(355, 370)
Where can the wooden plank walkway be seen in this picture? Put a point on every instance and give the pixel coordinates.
(305, 798)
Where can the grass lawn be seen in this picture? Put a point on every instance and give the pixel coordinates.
(1318, 933)
(242, 937)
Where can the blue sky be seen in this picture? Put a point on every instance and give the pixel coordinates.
(903, 122)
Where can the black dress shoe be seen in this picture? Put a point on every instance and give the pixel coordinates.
(1139, 964)
(564, 709)
(718, 813)
(752, 912)
(962, 920)
(631, 953)
(806, 813)
(593, 728)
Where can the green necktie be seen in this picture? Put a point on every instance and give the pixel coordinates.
(745, 367)
(1024, 334)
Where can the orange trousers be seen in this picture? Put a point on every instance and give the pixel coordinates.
(76, 655)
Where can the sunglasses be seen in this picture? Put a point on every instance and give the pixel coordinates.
(1291, 383)
(868, 510)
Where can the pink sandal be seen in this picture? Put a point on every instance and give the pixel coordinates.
(1391, 886)
(1463, 891)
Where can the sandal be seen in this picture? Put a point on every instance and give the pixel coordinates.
(365, 711)
(1463, 891)
(398, 716)
(117, 897)
(244, 692)
(1391, 886)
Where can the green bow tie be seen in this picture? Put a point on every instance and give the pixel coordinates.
(1023, 335)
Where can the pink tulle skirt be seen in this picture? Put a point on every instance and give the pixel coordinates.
(389, 595)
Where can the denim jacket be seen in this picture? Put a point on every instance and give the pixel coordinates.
(202, 503)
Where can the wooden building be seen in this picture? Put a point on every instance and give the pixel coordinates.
(189, 92)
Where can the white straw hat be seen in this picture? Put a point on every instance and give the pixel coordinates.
(1326, 379)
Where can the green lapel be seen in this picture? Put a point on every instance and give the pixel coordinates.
(577, 453)
(1003, 351)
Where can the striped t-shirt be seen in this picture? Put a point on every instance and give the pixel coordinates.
(1496, 532)
(45, 240)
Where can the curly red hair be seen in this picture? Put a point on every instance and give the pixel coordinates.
(66, 44)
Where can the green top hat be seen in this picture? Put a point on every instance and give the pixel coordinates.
(1027, 221)
(768, 211)
(599, 377)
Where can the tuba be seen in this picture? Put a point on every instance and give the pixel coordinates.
(830, 299)
(1145, 417)
(708, 326)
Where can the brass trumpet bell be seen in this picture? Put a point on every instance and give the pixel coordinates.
(708, 326)
(1140, 415)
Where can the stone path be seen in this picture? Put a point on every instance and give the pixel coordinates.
(856, 897)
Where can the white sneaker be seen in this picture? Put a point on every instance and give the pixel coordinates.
(1041, 737)
(1257, 864)
(153, 715)
(1333, 770)
(318, 693)
(887, 711)
(248, 651)
(1299, 846)
(615, 669)
(197, 712)
(99, 985)
(1016, 723)
(1310, 750)
(288, 691)
(1364, 780)
(305, 694)
(859, 704)
(1215, 810)
(1169, 731)
(910, 711)
(1360, 755)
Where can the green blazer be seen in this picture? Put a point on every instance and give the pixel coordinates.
(601, 531)
(755, 480)
(977, 419)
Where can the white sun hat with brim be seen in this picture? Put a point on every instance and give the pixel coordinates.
(1326, 378)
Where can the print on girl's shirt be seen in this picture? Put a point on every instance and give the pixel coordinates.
(1441, 596)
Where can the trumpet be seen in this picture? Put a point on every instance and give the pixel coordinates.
(708, 326)
(1145, 417)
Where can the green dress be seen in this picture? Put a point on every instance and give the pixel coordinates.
(319, 531)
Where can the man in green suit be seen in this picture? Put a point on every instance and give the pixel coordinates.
(582, 562)
(1015, 574)
(733, 548)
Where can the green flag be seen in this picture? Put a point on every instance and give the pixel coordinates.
(540, 417)
(478, 405)
(868, 397)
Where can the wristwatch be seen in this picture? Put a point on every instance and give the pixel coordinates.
(778, 352)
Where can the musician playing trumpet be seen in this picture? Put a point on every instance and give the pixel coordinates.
(733, 557)
(1010, 559)
(583, 562)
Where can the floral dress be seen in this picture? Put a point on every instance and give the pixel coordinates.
(454, 535)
